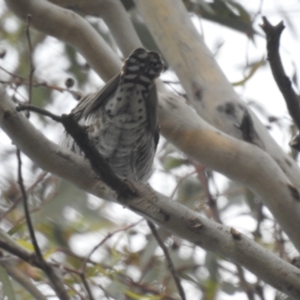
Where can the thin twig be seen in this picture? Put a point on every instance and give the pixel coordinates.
(41, 111)
(246, 286)
(83, 265)
(38, 259)
(105, 292)
(18, 198)
(260, 217)
(108, 236)
(86, 285)
(26, 208)
(19, 80)
(211, 200)
(180, 181)
(169, 260)
(22, 254)
(30, 61)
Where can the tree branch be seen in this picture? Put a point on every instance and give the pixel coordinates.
(170, 264)
(121, 27)
(169, 214)
(273, 34)
(9, 245)
(48, 270)
(97, 161)
(71, 28)
(207, 88)
(22, 279)
(241, 161)
(26, 209)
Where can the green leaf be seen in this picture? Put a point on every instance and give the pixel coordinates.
(206, 6)
(190, 192)
(211, 289)
(226, 13)
(253, 68)
(170, 163)
(25, 244)
(229, 288)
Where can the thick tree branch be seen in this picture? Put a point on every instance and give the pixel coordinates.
(71, 28)
(207, 88)
(169, 214)
(240, 161)
(121, 27)
(207, 67)
(216, 150)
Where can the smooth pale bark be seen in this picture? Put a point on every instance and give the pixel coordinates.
(207, 88)
(154, 206)
(171, 33)
(182, 126)
(72, 29)
(240, 161)
(114, 15)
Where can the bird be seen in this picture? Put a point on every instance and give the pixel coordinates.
(121, 118)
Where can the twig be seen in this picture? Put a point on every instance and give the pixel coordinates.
(108, 236)
(83, 265)
(30, 61)
(26, 209)
(20, 277)
(105, 292)
(18, 198)
(211, 200)
(86, 285)
(75, 290)
(260, 218)
(169, 260)
(246, 286)
(216, 216)
(98, 163)
(180, 181)
(30, 57)
(22, 254)
(54, 279)
(19, 80)
(273, 34)
(32, 259)
(41, 111)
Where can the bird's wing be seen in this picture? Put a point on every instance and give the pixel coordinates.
(91, 102)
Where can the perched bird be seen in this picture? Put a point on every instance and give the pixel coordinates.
(121, 119)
